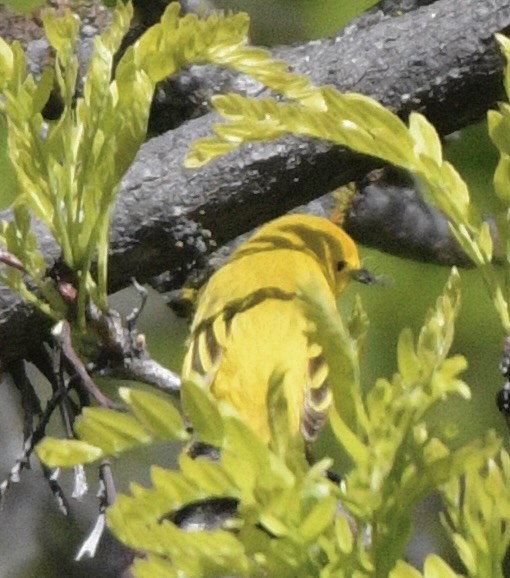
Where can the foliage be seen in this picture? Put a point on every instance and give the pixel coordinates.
(478, 516)
(68, 171)
(108, 432)
(362, 124)
(290, 518)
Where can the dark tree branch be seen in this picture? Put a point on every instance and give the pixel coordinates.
(450, 70)
(388, 213)
(440, 59)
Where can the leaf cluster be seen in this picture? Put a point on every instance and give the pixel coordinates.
(68, 170)
(290, 518)
(365, 126)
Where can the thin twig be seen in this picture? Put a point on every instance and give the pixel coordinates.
(106, 494)
(29, 445)
(51, 476)
(64, 338)
(132, 318)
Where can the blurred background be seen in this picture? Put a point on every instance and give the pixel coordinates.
(37, 541)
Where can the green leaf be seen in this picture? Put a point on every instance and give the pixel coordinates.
(484, 241)
(6, 63)
(386, 128)
(43, 90)
(110, 430)
(435, 567)
(344, 534)
(62, 31)
(354, 447)
(158, 415)
(478, 517)
(504, 43)
(278, 413)
(245, 457)
(498, 124)
(436, 336)
(408, 364)
(197, 553)
(201, 409)
(426, 139)
(404, 570)
(358, 323)
(9, 189)
(57, 453)
(318, 519)
(210, 477)
(502, 179)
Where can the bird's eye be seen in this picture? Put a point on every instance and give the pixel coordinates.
(340, 265)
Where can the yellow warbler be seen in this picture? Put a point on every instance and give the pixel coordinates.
(250, 326)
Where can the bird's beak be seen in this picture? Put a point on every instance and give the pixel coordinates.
(364, 276)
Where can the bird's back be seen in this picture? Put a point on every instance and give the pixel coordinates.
(250, 327)
(242, 339)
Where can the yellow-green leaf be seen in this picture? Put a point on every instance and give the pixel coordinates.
(318, 519)
(57, 453)
(202, 410)
(408, 362)
(502, 179)
(436, 567)
(6, 63)
(157, 414)
(404, 570)
(110, 430)
(61, 31)
(426, 139)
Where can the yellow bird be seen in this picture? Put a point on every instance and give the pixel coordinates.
(250, 326)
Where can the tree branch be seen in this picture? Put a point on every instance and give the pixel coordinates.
(451, 71)
(440, 59)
